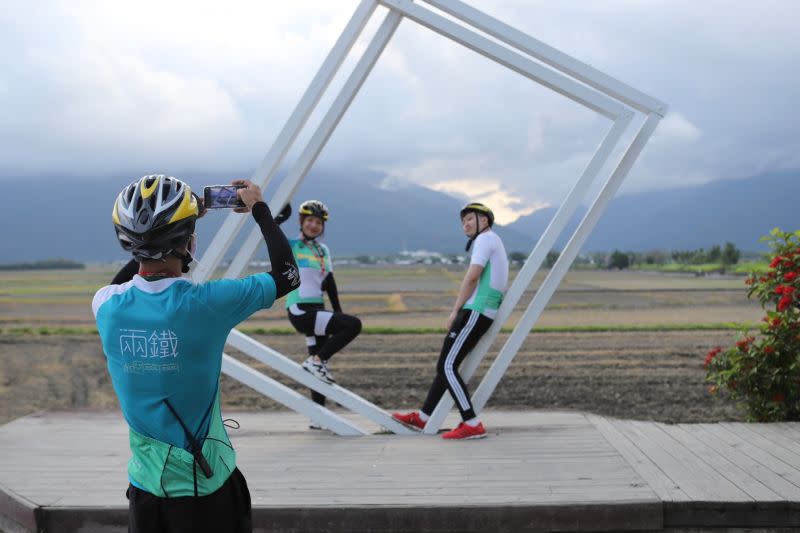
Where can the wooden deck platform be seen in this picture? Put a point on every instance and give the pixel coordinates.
(537, 471)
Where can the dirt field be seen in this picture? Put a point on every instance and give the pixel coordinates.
(653, 375)
(647, 376)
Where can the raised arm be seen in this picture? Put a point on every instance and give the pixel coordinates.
(126, 273)
(284, 268)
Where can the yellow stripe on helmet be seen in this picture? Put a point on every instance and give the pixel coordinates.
(148, 191)
(188, 207)
(478, 207)
(114, 215)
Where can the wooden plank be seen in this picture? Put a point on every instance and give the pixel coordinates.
(676, 465)
(784, 438)
(785, 490)
(755, 452)
(721, 464)
(716, 486)
(665, 488)
(784, 454)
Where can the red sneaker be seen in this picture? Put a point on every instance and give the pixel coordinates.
(465, 431)
(412, 420)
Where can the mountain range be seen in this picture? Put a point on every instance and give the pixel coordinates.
(70, 217)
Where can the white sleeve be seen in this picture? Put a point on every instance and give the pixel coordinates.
(105, 294)
(482, 250)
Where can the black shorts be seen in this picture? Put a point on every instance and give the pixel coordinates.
(226, 509)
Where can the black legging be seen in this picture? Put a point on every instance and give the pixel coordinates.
(467, 329)
(340, 330)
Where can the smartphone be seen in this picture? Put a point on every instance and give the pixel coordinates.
(222, 196)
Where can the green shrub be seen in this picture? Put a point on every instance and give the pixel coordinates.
(763, 369)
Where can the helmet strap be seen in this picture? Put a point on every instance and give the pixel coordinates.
(477, 231)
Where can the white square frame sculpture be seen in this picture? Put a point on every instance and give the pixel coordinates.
(523, 54)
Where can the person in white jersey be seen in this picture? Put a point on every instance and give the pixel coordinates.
(326, 332)
(476, 305)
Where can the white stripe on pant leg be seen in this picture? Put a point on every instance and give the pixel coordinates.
(321, 322)
(449, 361)
(311, 341)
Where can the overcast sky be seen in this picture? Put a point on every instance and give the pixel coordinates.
(95, 88)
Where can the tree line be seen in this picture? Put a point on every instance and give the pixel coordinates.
(725, 255)
(50, 264)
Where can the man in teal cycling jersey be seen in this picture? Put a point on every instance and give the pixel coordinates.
(163, 338)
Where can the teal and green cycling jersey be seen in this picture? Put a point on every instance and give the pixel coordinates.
(314, 262)
(488, 251)
(163, 341)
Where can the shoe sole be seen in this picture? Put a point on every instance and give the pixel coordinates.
(471, 437)
(409, 426)
(322, 379)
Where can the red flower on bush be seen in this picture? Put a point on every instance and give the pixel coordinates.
(789, 277)
(711, 355)
(775, 262)
(775, 322)
(769, 349)
(784, 303)
(743, 344)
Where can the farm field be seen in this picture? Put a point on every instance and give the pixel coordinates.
(644, 361)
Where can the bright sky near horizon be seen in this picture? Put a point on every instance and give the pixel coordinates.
(90, 88)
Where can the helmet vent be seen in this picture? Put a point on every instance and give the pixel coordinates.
(149, 182)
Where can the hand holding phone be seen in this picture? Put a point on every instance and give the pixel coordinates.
(222, 197)
(249, 193)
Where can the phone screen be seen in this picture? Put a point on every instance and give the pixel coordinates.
(221, 196)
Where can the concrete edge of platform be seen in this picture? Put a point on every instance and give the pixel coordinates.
(16, 511)
(618, 516)
(777, 514)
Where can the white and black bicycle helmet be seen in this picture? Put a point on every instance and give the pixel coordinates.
(313, 208)
(154, 216)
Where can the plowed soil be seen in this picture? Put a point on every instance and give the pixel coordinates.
(642, 375)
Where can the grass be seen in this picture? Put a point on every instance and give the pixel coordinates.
(706, 268)
(711, 326)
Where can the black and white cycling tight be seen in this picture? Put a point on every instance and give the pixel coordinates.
(327, 332)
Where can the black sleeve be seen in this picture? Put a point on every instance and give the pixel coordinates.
(284, 215)
(284, 268)
(126, 273)
(329, 285)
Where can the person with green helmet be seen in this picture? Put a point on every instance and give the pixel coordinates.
(476, 305)
(326, 332)
(163, 338)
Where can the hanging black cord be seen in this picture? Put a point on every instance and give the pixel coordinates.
(194, 447)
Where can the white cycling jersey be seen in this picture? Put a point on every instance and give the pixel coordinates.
(488, 251)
